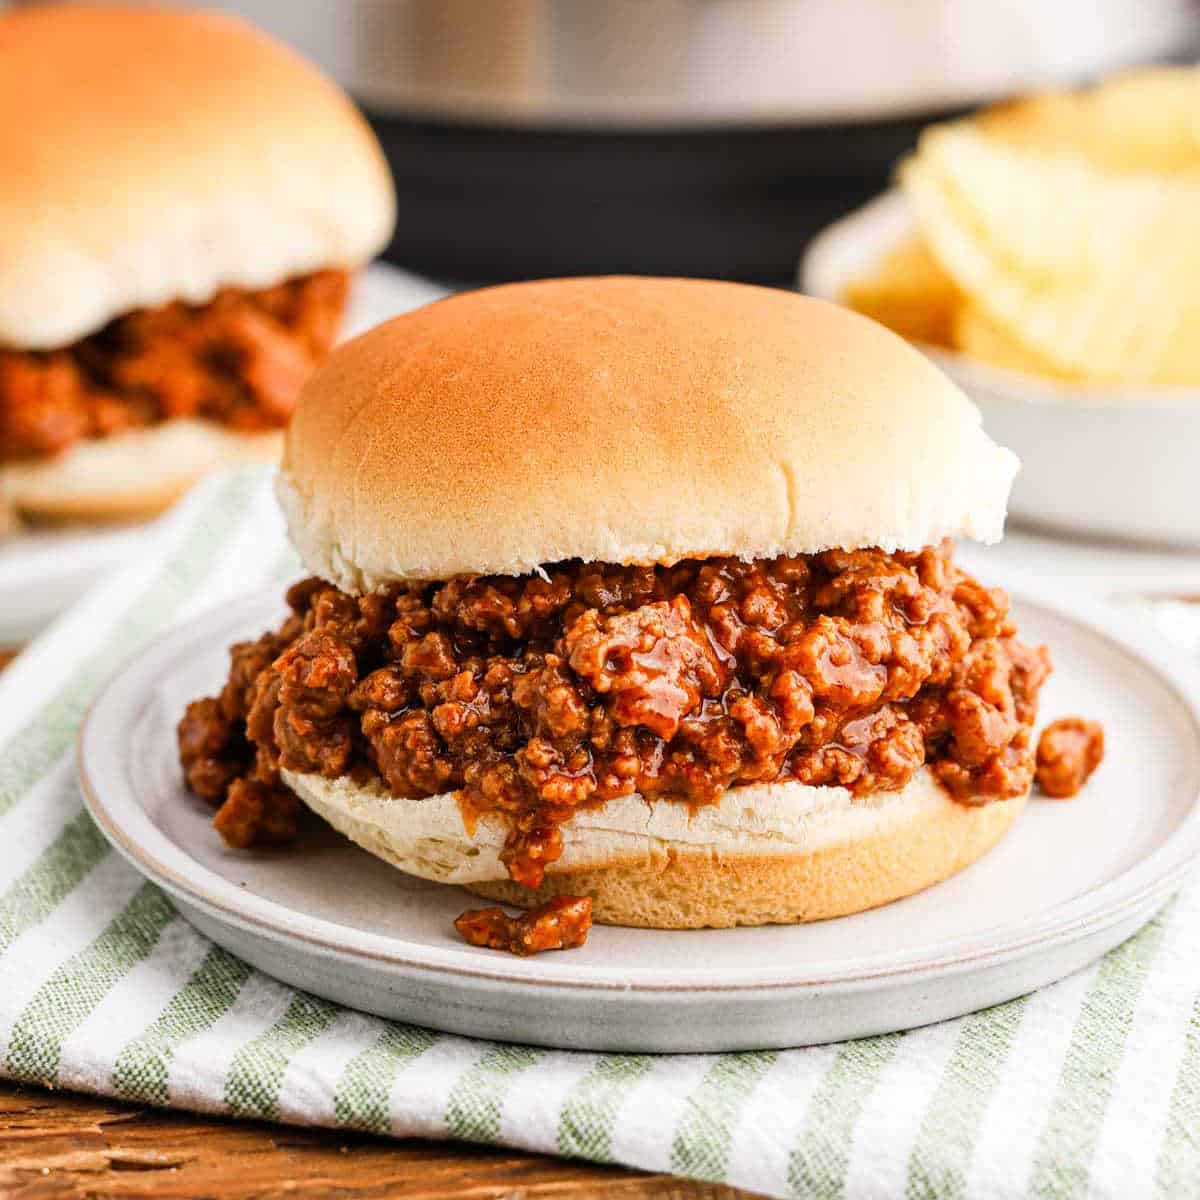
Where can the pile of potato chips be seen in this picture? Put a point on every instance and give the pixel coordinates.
(1058, 235)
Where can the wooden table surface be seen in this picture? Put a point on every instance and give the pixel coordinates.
(61, 1146)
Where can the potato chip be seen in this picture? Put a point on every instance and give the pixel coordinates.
(910, 294)
(1058, 234)
(979, 337)
(1143, 120)
(1095, 274)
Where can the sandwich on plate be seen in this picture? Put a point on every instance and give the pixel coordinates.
(184, 204)
(635, 599)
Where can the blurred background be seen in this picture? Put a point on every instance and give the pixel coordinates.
(1011, 186)
(701, 137)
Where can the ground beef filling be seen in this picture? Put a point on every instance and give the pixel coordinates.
(1068, 751)
(541, 694)
(238, 360)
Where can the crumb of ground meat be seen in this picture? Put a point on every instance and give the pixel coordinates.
(1069, 750)
(560, 924)
(210, 750)
(257, 814)
(536, 696)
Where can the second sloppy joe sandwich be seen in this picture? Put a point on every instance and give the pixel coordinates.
(184, 204)
(640, 590)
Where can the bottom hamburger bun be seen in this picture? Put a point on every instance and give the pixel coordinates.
(766, 853)
(129, 475)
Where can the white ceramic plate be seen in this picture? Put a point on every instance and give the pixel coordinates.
(1118, 462)
(1072, 880)
(43, 571)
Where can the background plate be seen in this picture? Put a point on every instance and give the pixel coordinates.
(44, 571)
(1070, 881)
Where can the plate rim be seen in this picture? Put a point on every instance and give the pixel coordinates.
(1156, 875)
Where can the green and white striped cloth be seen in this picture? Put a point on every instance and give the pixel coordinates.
(1087, 1088)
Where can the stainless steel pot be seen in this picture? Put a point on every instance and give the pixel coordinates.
(687, 63)
(692, 137)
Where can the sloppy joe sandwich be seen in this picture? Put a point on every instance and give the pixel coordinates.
(641, 590)
(184, 202)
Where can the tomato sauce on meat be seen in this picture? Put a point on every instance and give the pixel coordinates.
(559, 924)
(1068, 751)
(538, 695)
(239, 360)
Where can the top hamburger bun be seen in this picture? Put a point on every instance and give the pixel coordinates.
(152, 155)
(628, 420)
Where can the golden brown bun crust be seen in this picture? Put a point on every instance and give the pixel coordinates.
(151, 155)
(695, 890)
(130, 475)
(628, 420)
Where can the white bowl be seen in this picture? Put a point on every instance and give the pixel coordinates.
(1116, 462)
